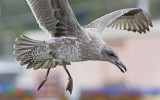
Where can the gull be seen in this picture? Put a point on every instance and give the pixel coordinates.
(70, 42)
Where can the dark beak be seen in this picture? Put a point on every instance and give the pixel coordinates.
(121, 66)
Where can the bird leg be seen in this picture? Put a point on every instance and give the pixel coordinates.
(70, 82)
(45, 79)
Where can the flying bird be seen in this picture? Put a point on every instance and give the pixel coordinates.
(71, 42)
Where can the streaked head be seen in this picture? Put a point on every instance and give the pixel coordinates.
(110, 54)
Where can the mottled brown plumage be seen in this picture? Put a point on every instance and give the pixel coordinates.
(73, 43)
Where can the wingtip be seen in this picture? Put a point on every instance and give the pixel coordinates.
(151, 25)
(14, 52)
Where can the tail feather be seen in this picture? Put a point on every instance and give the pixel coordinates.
(21, 56)
(29, 40)
(22, 50)
(38, 66)
(34, 53)
(25, 44)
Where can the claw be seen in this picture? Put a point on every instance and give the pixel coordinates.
(70, 85)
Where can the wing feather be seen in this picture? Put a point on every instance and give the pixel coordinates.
(44, 14)
(120, 24)
(130, 19)
(49, 13)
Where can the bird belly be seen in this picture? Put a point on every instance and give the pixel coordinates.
(69, 54)
(66, 50)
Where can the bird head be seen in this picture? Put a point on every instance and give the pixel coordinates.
(110, 54)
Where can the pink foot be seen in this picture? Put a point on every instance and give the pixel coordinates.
(70, 85)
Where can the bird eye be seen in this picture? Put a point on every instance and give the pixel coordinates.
(111, 54)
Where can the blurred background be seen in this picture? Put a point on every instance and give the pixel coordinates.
(93, 80)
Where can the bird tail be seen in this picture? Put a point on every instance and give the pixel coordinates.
(33, 53)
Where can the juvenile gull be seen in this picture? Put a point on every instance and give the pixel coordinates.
(71, 42)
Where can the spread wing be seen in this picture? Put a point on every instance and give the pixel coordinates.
(131, 19)
(55, 16)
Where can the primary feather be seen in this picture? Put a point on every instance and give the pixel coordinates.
(130, 19)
